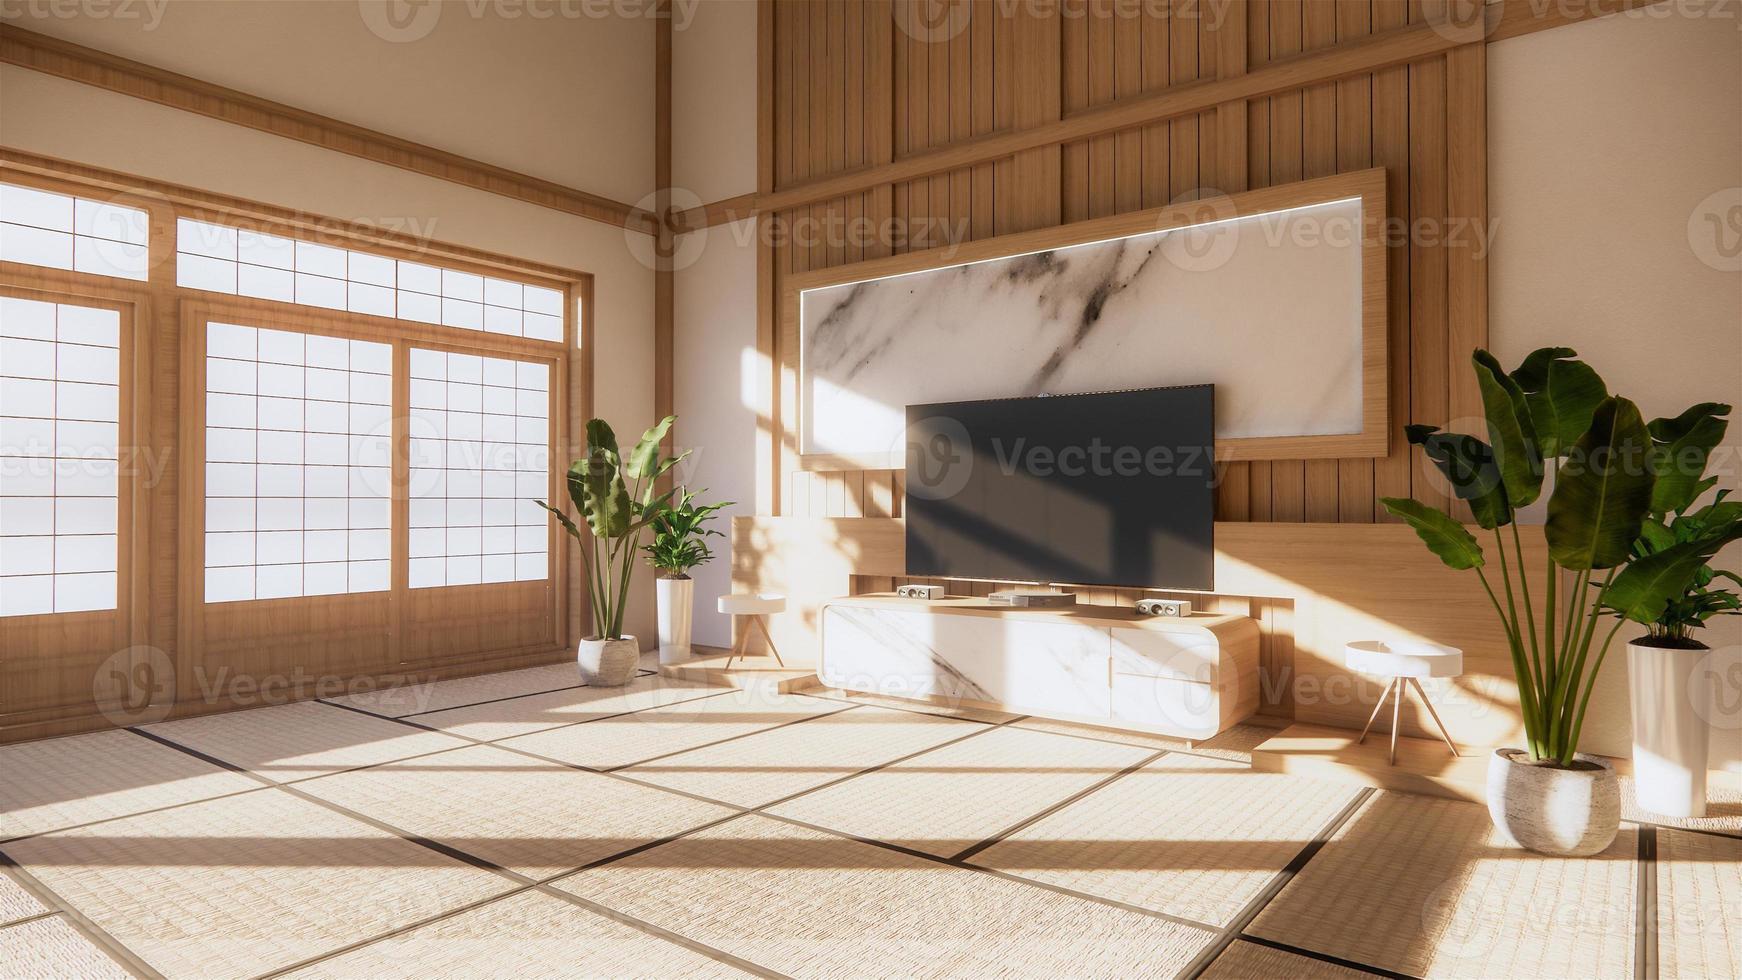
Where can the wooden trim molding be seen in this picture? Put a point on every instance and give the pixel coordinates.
(63, 59)
(1368, 185)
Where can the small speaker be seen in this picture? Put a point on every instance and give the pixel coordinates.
(920, 591)
(1163, 607)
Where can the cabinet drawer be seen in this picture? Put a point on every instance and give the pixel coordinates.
(1177, 707)
(1153, 653)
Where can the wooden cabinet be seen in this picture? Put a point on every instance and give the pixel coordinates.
(1189, 677)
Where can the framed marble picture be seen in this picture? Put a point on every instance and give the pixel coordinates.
(1275, 296)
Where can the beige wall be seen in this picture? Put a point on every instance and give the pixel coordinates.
(1607, 143)
(713, 100)
(538, 87)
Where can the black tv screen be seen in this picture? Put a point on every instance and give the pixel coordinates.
(1113, 488)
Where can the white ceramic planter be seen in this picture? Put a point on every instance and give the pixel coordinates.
(676, 605)
(1559, 812)
(1669, 696)
(608, 663)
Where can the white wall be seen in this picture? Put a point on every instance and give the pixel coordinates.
(1609, 143)
(547, 89)
(713, 100)
(714, 374)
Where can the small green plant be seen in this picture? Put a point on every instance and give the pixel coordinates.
(1667, 583)
(615, 513)
(679, 537)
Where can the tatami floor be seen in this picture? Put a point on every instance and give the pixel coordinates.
(517, 825)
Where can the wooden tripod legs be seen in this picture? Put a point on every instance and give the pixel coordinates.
(1396, 691)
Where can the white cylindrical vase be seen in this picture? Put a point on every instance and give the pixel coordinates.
(675, 606)
(1670, 698)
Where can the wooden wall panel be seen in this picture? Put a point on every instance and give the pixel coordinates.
(863, 83)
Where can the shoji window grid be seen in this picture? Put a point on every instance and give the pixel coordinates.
(78, 234)
(298, 464)
(245, 262)
(61, 432)
(479, 456)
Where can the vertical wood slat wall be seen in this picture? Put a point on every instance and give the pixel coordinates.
(861, 82)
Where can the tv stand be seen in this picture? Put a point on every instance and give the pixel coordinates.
(1189, 677)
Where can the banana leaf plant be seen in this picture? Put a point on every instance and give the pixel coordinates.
(617, 499)
(1552, 415)
(1667, 583)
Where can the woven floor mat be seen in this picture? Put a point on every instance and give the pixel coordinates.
(670, 728)
(53, 948)
(766, 766)
(1189, 836)
(910, 704)
(1250, 961)
(1699, 905)
(246, 884)
(406, 696)
(537, 818)
(505, 719)
(524, 936)
(810, 904)
(60, 782)
(296, 741)
(1723, 809)
(1427, 887)
(16, 903)
(1235, 744)
(956, 796)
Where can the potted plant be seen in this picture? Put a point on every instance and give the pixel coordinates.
(1552, 413)
(615, 513)
(1667, 587)
(679, 544)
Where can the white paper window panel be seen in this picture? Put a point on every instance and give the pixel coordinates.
(59, 444)
(1180, 307)
(298, 463)
(239, 262)
(59, 231)
(472, 479)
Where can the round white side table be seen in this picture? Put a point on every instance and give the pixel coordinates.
(1404, 662)
(756, 608)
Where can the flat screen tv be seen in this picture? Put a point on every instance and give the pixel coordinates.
(1112, 488)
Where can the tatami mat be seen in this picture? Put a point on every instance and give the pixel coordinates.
(534, 817)
(520, 716)
(16, 903)
(296, 741)
(1427, 887)
(811, 904)
(671, 728)
(1699, 905)
(524, 936)
(766, 766)
(1235, 744)
(910, 704)
(951, 798)
(52, 948)
(245, 884)
(1723, 809)
(1251, 961)
(1189, 836)
(409, 696)
(62, 782)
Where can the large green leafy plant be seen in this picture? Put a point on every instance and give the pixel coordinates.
(1668, 582)
(1552, 414)
(617, 500)
(680, 537)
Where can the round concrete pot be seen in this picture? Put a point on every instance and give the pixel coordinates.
(676, 601)
(1670, 697)
(1554, 811)
(608, 663)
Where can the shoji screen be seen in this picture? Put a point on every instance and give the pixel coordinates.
(60, 409)
(480, 436)
(299, 450)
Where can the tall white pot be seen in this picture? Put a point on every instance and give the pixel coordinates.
(1670, 698)
(675, 607)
